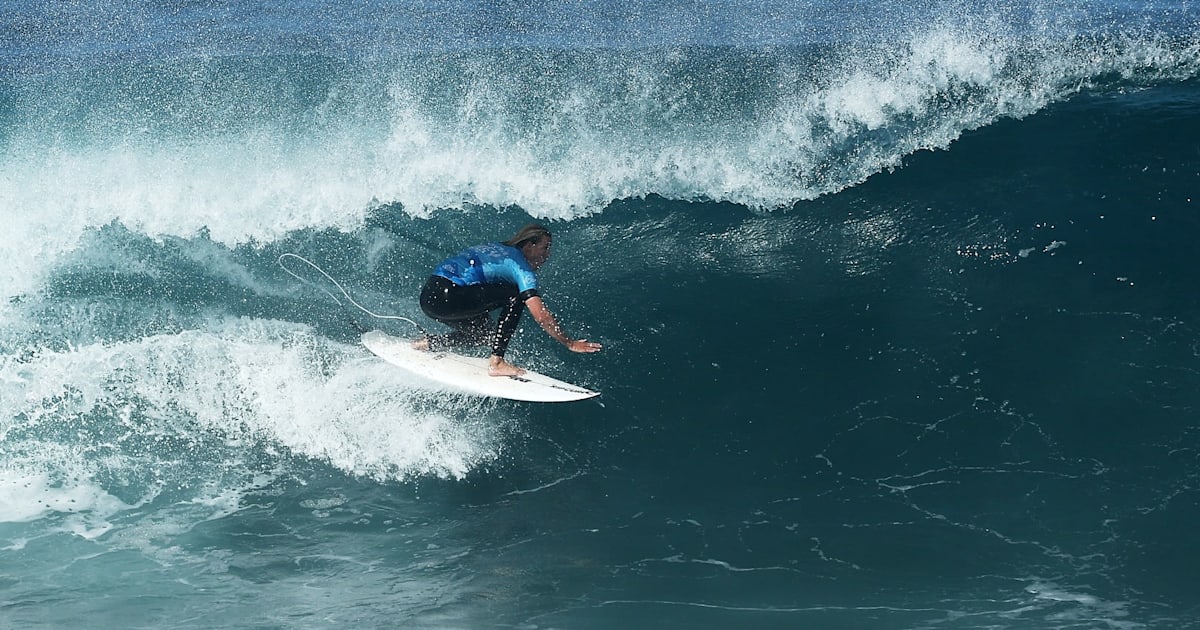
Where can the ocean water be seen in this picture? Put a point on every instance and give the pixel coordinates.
(899, 303)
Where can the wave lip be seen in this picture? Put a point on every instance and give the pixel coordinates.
(252, 147)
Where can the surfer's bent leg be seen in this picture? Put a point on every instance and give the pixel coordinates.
(509, 318)
(465, 309)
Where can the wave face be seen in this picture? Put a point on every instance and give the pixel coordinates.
(897, 299)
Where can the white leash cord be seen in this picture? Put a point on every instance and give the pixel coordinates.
(340, 288)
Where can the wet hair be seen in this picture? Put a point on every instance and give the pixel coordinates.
(532, 233)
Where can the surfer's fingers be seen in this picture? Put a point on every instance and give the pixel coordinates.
(583, 345)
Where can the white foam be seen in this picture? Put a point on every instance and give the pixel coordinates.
(48, 479)
(252, 382)
(1074, 606)
(226, 501)
(27, 496)
(167, 190)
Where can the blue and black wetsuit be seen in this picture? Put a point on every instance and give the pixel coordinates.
(466, 287)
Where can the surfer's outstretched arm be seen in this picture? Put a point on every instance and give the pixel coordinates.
(545, 319)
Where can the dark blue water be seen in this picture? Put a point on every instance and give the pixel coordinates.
(898, 303)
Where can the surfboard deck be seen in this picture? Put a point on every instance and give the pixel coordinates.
(470, 374)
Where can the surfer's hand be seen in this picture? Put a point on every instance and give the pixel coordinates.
(583, 345)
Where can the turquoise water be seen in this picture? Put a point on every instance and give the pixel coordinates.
(898, 305)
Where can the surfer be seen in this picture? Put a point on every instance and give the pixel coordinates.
(466, 287)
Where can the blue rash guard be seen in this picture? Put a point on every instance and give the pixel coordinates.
(493, 263)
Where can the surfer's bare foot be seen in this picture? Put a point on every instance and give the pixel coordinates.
(421, 344)
(497, 366)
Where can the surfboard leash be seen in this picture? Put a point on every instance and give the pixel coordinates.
(353, 322)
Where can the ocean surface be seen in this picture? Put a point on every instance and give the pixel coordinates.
(900, 307)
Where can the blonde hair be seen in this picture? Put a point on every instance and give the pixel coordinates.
(532, 233)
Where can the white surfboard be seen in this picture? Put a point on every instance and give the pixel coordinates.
(470, 374)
